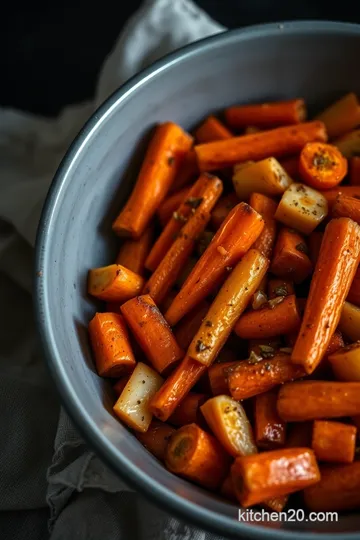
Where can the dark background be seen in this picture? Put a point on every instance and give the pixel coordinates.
(50, 56)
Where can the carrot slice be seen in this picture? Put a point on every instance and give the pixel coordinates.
(347, 207)
(280, 287)
(290, 258)
(334, 441)
(187, 172)
(156, 438)
(272, 474)
(197, 456)
(269, 427)
(114, 283)
(334, 272)
(190, 324)
(341, 116)
(212, 130)
(133, 253)
(332, 194)
(275, 142)
(266, 207)
(319, 399)
(152, 332)
(188, 411)
(322, 166)
(234, 238)
(345, 362)
(314, 245)
(165, 153)
(275, 113)
(355, 171)
(229, 304)
(171, 204)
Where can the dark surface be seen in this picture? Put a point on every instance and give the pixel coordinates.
(50, 56)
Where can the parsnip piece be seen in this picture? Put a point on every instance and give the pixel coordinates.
(349, 144)
(346, 363)
(132, 407)
(349, 323)
(114, 283)
(302, 208)
(266, 176)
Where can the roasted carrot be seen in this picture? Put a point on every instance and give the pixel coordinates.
(332, 194)
(188, 411)
(176, 387)
(227, 489)
(314, 244)
(120, 385)
(233, 239)
(156, 438)
(271, 474)
(190, 324)
(218, 374)
(205, 192)
(291, 166)
(229, 304)
(171, 204)
(222, 208)
(114, 283)
(290, 258)
(279, 317)
(152, 332)
(275, 142)
(345, 362)
(165, 153)
(133, 253)
(111, 346)
(277, 113)
(347, 207)
(349, 144)
(248, 378)
(338, 489)
(212, 130)
(334, 272)
(280, 287)
(355, 171)
(197, 456)
(299, 434)
(333, 441)
(269, 427)
(341, 116)
(266, 207)
(349, 323)
(322, 166)
(318, 399)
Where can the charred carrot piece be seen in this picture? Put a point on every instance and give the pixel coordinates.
(333, 441)
(188, 411)
(266, 207)
(314, 244)
(332, 194)
(319, 399)
(334, 273)
(152, 332)
(280, 287)
(190, 324)
(114, 283)
(338, 489)
(291, 166)
(248, 379)
(347, 207)
(272, 474)
(218, 374)
(197, 456)
(276, 142)
(341, 116)
(271, 114)
(345, 362)
(355, 171)
(205, 192)
(222, 208)
(234, 238)
(171, 204)
(227, 489)
(133, 253)
(165, 153)
(187, 172)
(290, 258)
(120, 385)
(322, 166)
(229, 304)
(280, 317)
(269, 427)
(299, 435)
(212, 130)
(156, 438)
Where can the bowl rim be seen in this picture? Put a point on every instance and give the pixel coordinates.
(153, 490)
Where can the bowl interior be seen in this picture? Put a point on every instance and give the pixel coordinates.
(316, 61)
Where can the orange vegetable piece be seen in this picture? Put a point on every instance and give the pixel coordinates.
(341, 116)
(212, 130)
(332, 194)
(114, 283)
(314, 244)
(322, 166)
(290, 258)
(222, 208)
(271, 114)
(133, 253)
(186, 329)
(266, 207)
(355, 171)
(334, 441)
(156, 438)
(171, 204)
(347, 207)
(269, 427)
(188, 411)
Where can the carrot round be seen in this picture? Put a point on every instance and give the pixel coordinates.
(156, 438)
(347, 207)
(171, 204)
(232, 240)
(290, 258)
(222, 208)
(269, 427)
(271, 114)
(341, 116)
(276, 142)
(165, 153)
(212, 130)
(322, 166)
(188, 411)
(133, 253)
(186, 329)
(266, 207)
(114, 283)
(197, 456)
(333, 441)
(334, 272)
(355, 171)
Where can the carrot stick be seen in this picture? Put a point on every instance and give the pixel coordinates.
(341, 116)
(280, 287)
(222, 208)
(187, 173)
(319, 399)
(156, 438)
(266, 207)
(314, 245)
(236, 235)
(227, 489)
(290, 258)
(206, 190)
(190, 324)
(322, 166)
(188, 411)
(171, 204)
(217, 374)
(114, 283)
(165, 153)
(248, 379)
(345, 363)
(111, 346)
(333, 441)
(176, 387)
(269, 321)
(332, 194)
(349, 323)
(269, 428)
(272, 474)
(334, 272)
(133, 253)
(291, 166)
(152, 332)
(355, 171)
(275, 142)
(266, 114)
(120, 385)
(212, 130)
(338, 489)
(197, 456)
(229, 304)
(347, 207)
